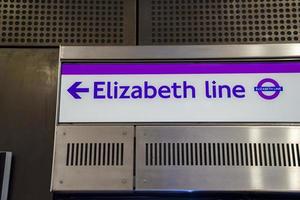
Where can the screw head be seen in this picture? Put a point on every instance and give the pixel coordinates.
(124, 133)
(61, 182)
(145, 180)
(64, 133)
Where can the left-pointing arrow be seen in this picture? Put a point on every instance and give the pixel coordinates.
(74, 90)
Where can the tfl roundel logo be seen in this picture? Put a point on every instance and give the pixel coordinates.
(268, 89)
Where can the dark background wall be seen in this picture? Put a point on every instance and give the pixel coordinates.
(27, 114)
(28, 73)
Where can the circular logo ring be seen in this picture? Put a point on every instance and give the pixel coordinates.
(275, 85)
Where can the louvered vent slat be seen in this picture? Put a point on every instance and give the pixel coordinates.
(94, 154)
(221, 154)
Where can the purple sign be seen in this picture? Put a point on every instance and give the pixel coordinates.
(179, 91)
(179, 68)
(267, 88)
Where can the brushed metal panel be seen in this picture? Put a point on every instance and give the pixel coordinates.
(159, 174)
(28, 78)
(85, 158)
(181, 52)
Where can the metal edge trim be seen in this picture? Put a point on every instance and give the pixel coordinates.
(6, 176)
(56, 116)
(181, 52)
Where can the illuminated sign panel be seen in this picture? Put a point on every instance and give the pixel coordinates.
(180, 92)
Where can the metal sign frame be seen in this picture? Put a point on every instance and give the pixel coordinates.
(265, 52)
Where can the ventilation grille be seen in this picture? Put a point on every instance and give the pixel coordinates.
(222, 154)
(53, 22)
(95, 154)
(219, 21)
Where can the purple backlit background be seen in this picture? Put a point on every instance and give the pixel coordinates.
(179, 68)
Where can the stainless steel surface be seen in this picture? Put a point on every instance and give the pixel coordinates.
(93, 158)
(6, 176)
(272, 163)
(181, 52)
(232, 175)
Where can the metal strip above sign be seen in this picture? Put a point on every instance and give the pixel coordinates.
(180, 92)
